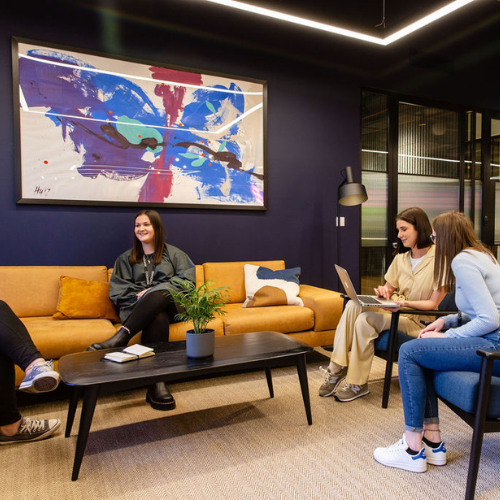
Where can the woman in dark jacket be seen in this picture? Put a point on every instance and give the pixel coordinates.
(140, 287)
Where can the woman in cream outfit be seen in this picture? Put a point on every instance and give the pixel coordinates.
(410, 283)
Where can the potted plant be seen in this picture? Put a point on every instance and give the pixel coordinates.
(200, 305)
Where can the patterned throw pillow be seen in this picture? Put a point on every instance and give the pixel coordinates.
(265, 287)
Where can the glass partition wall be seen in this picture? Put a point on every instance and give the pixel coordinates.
(427, 155)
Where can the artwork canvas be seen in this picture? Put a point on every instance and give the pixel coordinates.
(101, 130)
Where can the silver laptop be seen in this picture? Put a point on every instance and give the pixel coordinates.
(362, 300)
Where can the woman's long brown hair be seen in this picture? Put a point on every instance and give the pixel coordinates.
(419, 220)
(454, 234)
(159, 238)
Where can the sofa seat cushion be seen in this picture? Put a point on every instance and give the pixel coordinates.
(460, 389)
(284, 319)
(57, 338)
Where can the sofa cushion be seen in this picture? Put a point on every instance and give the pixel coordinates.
(34, 290)
(58, 338)
(84, 299)
(284, 319)
(265, 287)
(232, 275)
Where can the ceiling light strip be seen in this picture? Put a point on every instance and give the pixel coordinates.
(438, 14)
(298, 20)
(411, 28)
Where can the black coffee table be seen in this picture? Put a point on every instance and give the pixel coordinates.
(92, 377)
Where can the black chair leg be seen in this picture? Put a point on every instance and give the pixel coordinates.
(477, 436)
(391, 354)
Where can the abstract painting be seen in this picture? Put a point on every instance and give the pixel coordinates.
(106, 131)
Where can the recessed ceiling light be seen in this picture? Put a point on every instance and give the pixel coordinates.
(438, 14)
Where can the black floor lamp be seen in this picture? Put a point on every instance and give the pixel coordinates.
(349, 194)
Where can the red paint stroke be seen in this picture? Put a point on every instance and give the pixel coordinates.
(158, 186)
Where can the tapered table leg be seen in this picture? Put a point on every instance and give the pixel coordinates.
(269, 378)
(90, 395)
(302, 372)
(73, 404)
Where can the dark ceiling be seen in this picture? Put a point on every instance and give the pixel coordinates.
(463, 38)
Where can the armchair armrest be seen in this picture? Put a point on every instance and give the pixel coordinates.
(494, 355)
(326, 304)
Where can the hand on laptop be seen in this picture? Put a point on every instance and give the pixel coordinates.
(384, 291)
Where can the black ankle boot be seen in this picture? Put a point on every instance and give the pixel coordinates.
(159, 397)
(119, 339)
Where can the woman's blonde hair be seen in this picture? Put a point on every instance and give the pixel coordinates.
(454, 233)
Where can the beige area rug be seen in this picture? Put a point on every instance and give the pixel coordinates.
(227, 439)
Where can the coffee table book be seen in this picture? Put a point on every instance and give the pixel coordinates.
(130, 353)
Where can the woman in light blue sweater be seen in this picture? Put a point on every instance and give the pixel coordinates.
(449, 343)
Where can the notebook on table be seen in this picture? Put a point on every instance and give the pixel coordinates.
(362, 300)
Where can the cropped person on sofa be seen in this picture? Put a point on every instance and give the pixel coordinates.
(16, 347)
(139, 286)
(467, 265)
(410, 282)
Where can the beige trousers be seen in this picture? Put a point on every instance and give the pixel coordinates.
(353, 345)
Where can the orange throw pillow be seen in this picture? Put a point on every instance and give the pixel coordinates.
(82, 299)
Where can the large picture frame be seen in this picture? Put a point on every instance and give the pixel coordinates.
(102, 130)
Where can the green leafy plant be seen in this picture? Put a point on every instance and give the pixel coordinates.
(199, 304)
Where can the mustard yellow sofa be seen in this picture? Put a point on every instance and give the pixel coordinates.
(33, 292)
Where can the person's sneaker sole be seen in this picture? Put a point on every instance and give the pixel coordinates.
(45, 382)
(45, 435)
(418, 466)
(352, 398)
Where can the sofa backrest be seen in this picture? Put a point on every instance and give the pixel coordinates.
(34, 290)
(232, 275)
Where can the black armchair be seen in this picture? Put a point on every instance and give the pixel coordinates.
(389, 341)
(475, 398)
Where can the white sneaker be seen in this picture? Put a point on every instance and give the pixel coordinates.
(397, 456)
(435, 456)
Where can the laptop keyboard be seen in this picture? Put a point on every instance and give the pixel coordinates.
(367, 299)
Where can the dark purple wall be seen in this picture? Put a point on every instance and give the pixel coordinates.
(313, 133)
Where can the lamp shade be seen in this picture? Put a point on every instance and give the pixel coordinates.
(351, 193)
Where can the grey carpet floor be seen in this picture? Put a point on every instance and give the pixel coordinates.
(227, 439)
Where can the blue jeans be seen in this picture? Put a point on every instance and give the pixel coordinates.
(419, 358)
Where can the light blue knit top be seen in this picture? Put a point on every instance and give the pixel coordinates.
(477, 296)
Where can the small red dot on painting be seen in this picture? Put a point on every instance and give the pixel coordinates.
(139, 136)
(46, 162)
(209, 164)
(110, 112)
(180, 124)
